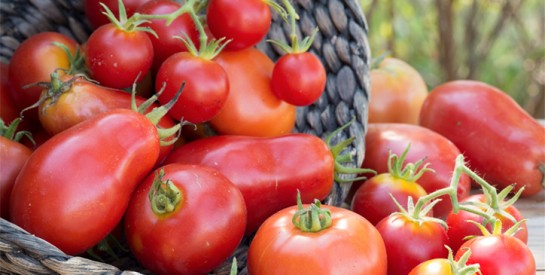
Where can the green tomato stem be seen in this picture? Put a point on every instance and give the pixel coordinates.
(313, 218)
(164, 196)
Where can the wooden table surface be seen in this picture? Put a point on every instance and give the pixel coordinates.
(533, 209)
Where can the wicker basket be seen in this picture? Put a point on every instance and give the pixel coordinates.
(341, 43)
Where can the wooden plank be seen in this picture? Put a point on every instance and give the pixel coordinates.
(533, 209)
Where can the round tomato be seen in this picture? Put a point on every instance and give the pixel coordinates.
(185, 219)
(397, 92)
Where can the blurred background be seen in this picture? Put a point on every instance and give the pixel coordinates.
(500, 42)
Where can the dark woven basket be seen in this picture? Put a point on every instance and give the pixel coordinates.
(341, 43)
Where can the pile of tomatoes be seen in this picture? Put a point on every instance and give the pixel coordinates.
(169, 130)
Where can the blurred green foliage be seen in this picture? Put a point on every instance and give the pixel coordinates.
(494, 41)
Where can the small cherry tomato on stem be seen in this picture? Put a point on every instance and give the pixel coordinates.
(448, 266)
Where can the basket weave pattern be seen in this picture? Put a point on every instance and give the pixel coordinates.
(341, 43)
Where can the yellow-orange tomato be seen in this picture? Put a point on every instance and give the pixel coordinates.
(251, 108)
(438, 266)
(397, 92)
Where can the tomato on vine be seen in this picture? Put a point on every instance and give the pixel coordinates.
(447, 266)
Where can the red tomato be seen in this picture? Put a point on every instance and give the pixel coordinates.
(196, 233)
(499, 255)
(116, 57)
(8, 110)
(459, 226)
(32, 62)
(397, 92)
(75, 188)
(94, 11)
(166, 44)
(298, 78)
(410, 242)
(267, 170)
(206, 86)
(506, 144)
(251, 108)
(246, 22)
(425, 144)
(350, 245)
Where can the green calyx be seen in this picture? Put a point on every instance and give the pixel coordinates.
(76, 61)
(339, 158)
(411, 171)
(164, 196)
(497, 228)
(290, 16)
(313, 218)
(10, 131)
(461, 267)
(128, 24)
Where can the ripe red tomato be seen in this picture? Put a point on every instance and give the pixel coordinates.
(75, 187)
(298, 78)
(189, 235)
(506, 144)
(350, 245)
(166, 44)
(397, 92)
(94, 11)
(425, 144)
(459, 226)
(8, 110)
(410, 242)
(206, 86)
(251, 108)
(245, 22)
(33, 61)
(116, 57)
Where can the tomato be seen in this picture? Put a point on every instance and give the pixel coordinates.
(506, 144)
(116, 57)
(442, 266)
(245, 22)
(8, 110)
(267, 170)
(373, 198)
(192, 233)
(499, 254)
(349, 245)
(32, 62)
(94, 11)
(425, 144)
(251, 108)
(75, 187)
(206, 86)
(298, 78)
(459, 226)
(166, 44)
(410, 242)
(13, 156)
(397, 92)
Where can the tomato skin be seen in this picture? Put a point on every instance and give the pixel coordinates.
(201, 233)
(93, 10)
(509, 144)
(116, 58)
(435, 148)
(265, 169)
(57, 192)
(350, 246)
(166, 45)
(439, 266)
(206, 87)
(460, 227)
(8, 110)
(13, 156)
(251, 108)
(298, 78)
(372, 199)
(33, 61)
(246, 22)
(397, 92)
(499, 255)
(426, 241)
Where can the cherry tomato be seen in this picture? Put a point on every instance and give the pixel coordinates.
(94, 11)
(397, 92)
(116, 57)
(410, 242)
(192, 233)
(8, 110)
(74, 189)
(245, 22)
(251, 108)
(501, 141)
(298, 78)
(350, 245)
(425, 144)
(32, 62)
(206, 86)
